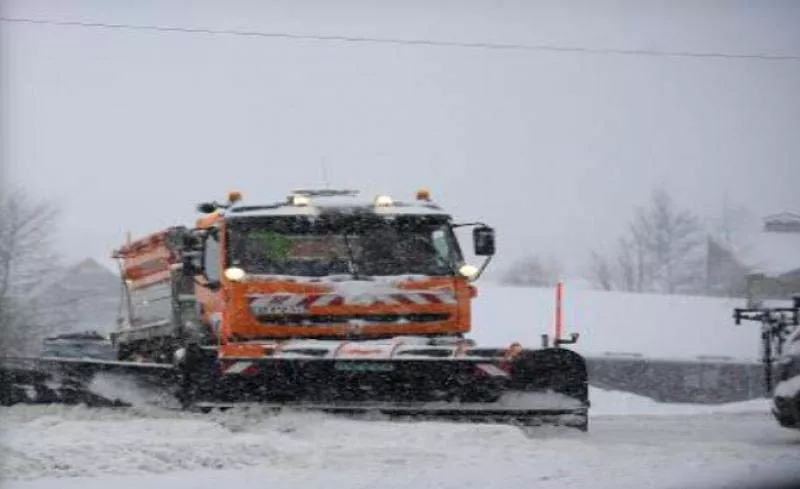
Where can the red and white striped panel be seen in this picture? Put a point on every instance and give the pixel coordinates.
(239, 367)
(277, 303)
(491, 370)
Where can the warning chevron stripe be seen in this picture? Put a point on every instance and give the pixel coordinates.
(240, 368)
(304, 302)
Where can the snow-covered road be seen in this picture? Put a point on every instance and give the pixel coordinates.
(632, 443)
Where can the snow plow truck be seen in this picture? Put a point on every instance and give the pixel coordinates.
(324, 300)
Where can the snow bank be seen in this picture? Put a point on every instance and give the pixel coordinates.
(605, 403)
(654, 325)
(128, 390)
(90, 442)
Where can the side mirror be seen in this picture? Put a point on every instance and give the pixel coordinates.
(206, 207)
(210, 249)
(190, 266)
(483, 241)
(193, 249)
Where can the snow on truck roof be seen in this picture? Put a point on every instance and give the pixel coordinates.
(319, 202)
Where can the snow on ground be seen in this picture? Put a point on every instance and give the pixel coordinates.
(658, 326)
(633, 442)
(614, 403)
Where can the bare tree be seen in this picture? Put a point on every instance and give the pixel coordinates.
(663, 251)
(673, 243)
(27, 259)
(600, 274)
(627, 259)
(531, 270)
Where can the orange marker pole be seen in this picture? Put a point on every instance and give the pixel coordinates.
(559, 324)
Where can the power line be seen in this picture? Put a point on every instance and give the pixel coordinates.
(400, 41)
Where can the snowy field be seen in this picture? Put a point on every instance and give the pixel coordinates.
(657, 326)
(633, 442)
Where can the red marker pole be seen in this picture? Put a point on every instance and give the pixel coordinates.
(559, 325)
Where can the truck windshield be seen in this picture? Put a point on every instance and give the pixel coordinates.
(353, 245)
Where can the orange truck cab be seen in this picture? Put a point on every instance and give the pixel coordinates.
(321, 264)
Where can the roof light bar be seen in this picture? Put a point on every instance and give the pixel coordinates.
(325, 192)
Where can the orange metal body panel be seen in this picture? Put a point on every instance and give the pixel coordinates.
(146, 261)
(239, 322)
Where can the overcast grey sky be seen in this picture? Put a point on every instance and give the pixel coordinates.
(127, 130)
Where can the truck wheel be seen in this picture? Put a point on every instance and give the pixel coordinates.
(196, 369)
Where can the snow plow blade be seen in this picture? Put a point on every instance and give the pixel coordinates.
(547, 386)
(536, 387)
(56, 380)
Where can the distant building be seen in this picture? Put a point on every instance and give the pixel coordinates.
(767, 266)
(785, 222)
(726, 274)
(83, 297)
(776, 270)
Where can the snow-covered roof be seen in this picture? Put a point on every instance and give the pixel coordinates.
(773, 253)
(785, 222)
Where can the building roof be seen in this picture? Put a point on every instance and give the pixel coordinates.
(785, 222)
(775, 250)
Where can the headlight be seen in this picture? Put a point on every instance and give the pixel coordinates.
(298, 200)
(383, 201)
(235, 274)
(468, 271)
